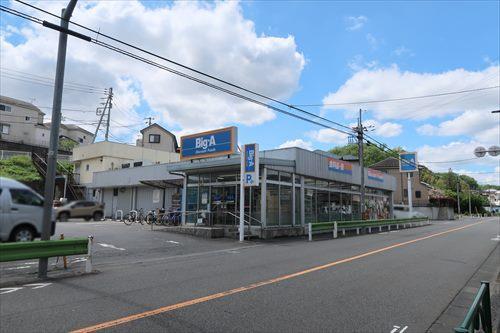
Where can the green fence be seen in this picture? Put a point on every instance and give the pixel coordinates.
(326, 227)
(44, 249)
(479, 315)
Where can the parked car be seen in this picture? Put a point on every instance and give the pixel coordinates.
(21, 212)
(81, 209)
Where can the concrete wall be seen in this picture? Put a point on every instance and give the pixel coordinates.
(436, 213)
(103, 156)
(22, 129)
(402, 186)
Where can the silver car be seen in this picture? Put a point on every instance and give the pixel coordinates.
(21, 211)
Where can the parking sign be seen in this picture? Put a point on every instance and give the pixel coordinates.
(251, 167)
(408, 162)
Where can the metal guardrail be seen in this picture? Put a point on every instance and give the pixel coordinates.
(326, 227)
(48, 249)
(479, 315)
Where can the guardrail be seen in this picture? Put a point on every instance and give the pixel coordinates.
(48, 249)
(479, 315)
(359, 225)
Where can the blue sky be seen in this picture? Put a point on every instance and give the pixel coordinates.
(340, 52)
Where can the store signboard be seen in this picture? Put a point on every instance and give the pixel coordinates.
(209, 144)
(251, 164)
(339, 166)
(408, 162)
(376, 175)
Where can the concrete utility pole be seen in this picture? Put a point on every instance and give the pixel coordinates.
(360, 132)
(110, 105)
(54, 133)
(103, 113)
(458, 195)
(470, 206)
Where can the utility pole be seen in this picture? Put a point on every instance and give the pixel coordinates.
(360, 133)
(470, 206)
(54, 133)
(149, 119)
(102, 113)
(110, 105)
(458, 195)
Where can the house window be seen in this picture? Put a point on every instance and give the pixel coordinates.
(27, 118)
(5, 108)
(137, 164)
(154, 138)
(5, 128)
(87, 167)
(80, 140)
(84, 137)
(125, 165)
(418, 194)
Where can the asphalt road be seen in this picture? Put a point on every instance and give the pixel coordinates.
(159, 281)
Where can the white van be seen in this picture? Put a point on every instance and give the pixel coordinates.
(21, 211)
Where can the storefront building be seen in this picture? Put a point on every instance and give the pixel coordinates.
(296, 187)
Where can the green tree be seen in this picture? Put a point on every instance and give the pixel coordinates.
(371, 153)
(67, 144)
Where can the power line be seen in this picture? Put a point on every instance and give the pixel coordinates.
(400, 98)
(290, 106)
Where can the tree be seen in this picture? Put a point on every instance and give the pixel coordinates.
(371, 153)
(67, 144)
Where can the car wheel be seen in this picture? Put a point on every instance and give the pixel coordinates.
(63, 217)
(97, 216)
(23, 234)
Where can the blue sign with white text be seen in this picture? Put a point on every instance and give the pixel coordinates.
(209, 144)
(250, 158)
(408, 162)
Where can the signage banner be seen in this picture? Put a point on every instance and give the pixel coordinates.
(251, 164)
(408, 162)
(339, 166)
(209, 144)
(376, 175)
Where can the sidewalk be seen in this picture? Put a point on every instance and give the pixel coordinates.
(455, 313)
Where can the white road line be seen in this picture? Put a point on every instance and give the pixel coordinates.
(9, 290)
(37, 285)
(111, 246)
(173, 242)
(18, 267)
(396, 328)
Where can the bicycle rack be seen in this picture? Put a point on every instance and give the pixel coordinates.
(121, 215)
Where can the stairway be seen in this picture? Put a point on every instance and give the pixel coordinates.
(73, 192)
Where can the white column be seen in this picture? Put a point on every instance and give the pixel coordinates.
(410, 196)
(242, 197)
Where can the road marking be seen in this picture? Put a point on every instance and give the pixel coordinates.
(395, 329)
(78, 260)
(9, 290)
(111, 246)
(226, 293)
(18, 267)
(173, 242)
(37, 285)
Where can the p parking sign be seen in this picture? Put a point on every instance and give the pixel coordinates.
(251, 165)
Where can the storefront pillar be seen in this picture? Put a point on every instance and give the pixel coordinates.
(302, 202)
(263, 197)
(183, 201)
(293, 200)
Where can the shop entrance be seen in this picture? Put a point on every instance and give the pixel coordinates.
(223, 205)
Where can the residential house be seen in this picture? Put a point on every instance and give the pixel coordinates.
(156, 137)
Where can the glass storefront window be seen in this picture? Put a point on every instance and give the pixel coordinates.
(224, 177)
(335, 207)
(310, 205)
(193, 179)
(309, 182)
(356, 207)
(321, 183)
(346, 199)
(191, 203)
(285, 205)
(322, 204)
(272, 175)
(204, 179)
(285, 177)
(297, 180)
(272, 204)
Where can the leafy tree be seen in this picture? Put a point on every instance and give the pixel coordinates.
(67, 144)
(371, 153)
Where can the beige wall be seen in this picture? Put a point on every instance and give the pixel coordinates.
(402, 185)
(102, 156)
(166, 141)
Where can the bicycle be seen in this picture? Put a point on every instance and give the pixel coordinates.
(134, 216)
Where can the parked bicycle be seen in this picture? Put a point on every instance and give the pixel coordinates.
(135, 216)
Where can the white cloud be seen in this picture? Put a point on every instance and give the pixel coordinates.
(387, 129)
(491, 178)
(215, 38)
(358, 62)
(355, 22)
(326, 135)
(389, 83)
(297, 143)
(481, 125)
